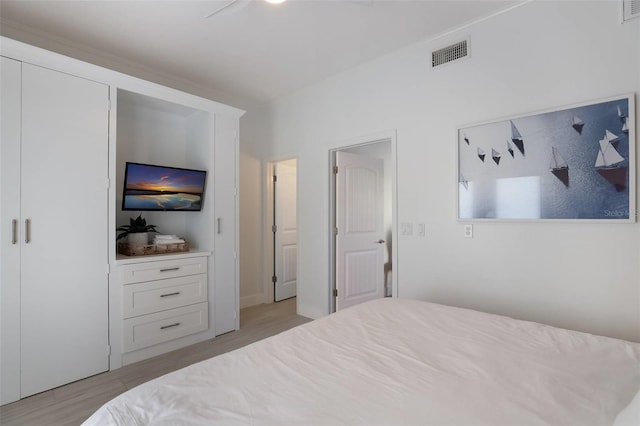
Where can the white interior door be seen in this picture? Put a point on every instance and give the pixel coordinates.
(360, 241)
(286, 232)
(64, 277)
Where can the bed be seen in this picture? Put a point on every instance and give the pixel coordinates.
(395, 361)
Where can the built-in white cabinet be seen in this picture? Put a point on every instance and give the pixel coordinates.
(225, 205)
(163, 300)
(54, 306)
(160, 128)
(71, 306)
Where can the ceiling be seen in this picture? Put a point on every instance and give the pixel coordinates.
(251, 49)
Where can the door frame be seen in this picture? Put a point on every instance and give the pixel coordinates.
(388, 136)
(268, 259)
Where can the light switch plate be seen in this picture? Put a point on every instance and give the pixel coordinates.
(420, 229)
(406, 228)
(468, 231)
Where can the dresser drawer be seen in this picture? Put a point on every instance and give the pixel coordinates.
(150, 271)
(155, 296)
(147, 330)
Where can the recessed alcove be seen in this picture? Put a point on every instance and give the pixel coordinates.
(155, 131)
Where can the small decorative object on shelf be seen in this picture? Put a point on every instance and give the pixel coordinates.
(148, 249)
(137, 236)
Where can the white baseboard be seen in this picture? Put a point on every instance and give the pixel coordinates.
(251, 300)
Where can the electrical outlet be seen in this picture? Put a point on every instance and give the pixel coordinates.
(468, 231)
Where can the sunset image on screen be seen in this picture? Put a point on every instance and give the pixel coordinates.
(162, 188)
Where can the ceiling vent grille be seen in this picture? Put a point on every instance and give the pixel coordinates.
(450, 53)
(630, 9)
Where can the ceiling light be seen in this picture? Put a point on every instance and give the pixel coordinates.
(275, 1)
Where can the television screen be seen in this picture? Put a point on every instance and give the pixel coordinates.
(148, 187)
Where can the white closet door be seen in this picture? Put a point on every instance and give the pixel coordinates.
(64, 310)
(225, 262)
(10, 74)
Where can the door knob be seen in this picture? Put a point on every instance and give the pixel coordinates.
(380, 241)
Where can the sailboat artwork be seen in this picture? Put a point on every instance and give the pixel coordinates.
(575, 163)
(464, 182)
(510, 149)
(481, 154)
(496, 156)
(608, 165)
(516, 137)
(611, 137)
(559, 166)
(577, 124)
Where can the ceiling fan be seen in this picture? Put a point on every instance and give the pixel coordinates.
(230, 6)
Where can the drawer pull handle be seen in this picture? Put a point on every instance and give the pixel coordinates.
(164, 327)
(169, 269)
(170, 294)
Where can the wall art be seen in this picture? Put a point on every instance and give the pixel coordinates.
(573, 163)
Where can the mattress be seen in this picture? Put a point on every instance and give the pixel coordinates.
(393, 362)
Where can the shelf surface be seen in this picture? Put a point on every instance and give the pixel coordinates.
(121, 259)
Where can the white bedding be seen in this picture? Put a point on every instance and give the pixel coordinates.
(394, 361)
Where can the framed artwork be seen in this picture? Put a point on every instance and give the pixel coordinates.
(572, 163)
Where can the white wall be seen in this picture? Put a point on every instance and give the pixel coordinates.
(537, 56)
(253, 138)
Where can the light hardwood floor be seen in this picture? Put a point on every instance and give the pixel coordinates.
(73, 403)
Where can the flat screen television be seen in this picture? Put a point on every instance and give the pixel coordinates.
(160, 188)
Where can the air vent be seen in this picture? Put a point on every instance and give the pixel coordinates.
(630, 9)
(450, 53)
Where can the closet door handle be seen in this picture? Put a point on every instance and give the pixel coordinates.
(219, 225)
(27, 231)
(14, 231)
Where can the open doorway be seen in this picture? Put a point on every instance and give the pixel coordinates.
(284, 229)
(362, 214)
